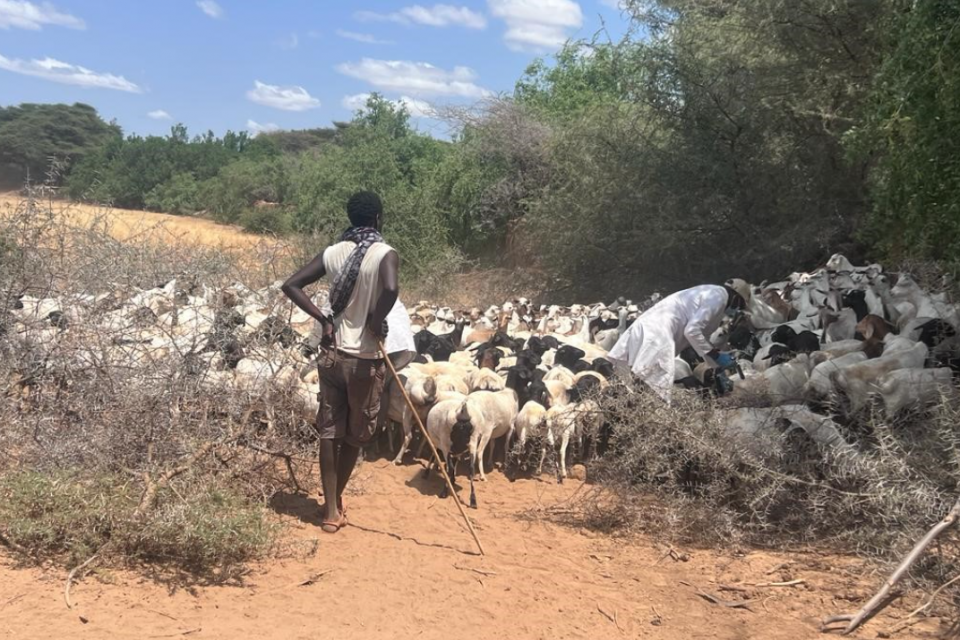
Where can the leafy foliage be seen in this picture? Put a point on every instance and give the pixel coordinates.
(715, 138)
(32, 134)
(910, 127)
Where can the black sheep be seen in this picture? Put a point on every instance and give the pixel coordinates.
(604, 367)
(442, 347)
(551, 342)
(274, 329)
(537, 345)
(58, 319)
(528, 359)
(422, 341)
(778, 354)
(584, 388)
(691, 357)
(568, 355)
(580, 366)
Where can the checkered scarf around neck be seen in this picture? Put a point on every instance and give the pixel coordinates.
(346, 280)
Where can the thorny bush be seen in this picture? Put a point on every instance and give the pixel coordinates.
(109, 445)
(678, 471)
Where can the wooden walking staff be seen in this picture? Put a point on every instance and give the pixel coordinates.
(436, 454)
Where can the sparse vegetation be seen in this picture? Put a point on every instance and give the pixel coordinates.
(131, 459)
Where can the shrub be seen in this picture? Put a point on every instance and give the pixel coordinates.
(265, 220)
(212, 531)
(61, 512)
(128, 451)
(781, 489)
(179, 195)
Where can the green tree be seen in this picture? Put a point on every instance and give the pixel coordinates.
(910, 129)
(378, 150)
(32, 134)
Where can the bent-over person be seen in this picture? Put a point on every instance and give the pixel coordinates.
(363, 270)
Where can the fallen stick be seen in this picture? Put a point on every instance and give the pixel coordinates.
(433, 447)
(730, 604)
(177, 635)
(480, 571)
(611, 618)
(882, 599)
(72, 574)
(906, 622)
(732, 587)
(303, 583)
(790, 583)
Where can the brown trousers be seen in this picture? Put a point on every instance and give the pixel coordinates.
(350, 391)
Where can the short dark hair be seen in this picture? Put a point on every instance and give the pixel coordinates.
(364, 209)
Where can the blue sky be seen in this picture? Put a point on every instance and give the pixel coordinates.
(292, 64)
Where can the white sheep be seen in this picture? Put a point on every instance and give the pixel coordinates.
(566, 422)
(529, 423)
(490, 414)
(561, 374)
(424, 391)
(780, 384)
(451, 439)
(485, 380)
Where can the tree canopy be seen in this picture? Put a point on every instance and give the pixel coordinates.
(717, 137)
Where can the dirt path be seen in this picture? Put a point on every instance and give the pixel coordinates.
(405, 568)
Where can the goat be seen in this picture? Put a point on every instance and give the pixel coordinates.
(856, 380)
(802, 342)
(820, 384)
(913, 387)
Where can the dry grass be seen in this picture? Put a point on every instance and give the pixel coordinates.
(127, 224)
(87, 401)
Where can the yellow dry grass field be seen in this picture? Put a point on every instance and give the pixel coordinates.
(126, 224)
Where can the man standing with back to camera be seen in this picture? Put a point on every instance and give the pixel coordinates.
(364, 270)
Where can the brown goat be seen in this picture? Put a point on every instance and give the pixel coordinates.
(781, 306)
(874, 329)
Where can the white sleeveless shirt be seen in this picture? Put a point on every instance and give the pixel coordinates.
(352, 334)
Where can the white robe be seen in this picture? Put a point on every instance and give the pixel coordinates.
(399, 343)
(651, 344)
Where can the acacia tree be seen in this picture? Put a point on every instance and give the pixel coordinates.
(32, 134)
(709, 147)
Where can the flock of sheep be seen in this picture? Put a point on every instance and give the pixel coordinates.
(812, 348)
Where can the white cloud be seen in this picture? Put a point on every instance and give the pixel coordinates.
(21, 14)
(613, 4)
(439, 15)
(65, 73)
(255, 128)
(536, 25)
(416, 108)
(361, 37)
(211, 8)
(415, 78)
(159, 114)
(289, 42)
(287, 98)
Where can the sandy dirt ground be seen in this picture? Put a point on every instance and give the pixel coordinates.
(406, 568)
